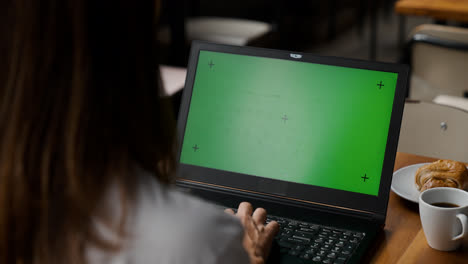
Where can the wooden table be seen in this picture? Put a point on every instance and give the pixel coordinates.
(438, 9)
(403, 239)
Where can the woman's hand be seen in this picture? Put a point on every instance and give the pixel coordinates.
(258, 238)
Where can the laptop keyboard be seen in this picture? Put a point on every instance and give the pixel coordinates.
(313, 242)
(317, 243)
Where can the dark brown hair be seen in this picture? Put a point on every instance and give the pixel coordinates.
(79, 109)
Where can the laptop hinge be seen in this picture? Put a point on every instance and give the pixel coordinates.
(376, 218)
(379, 219)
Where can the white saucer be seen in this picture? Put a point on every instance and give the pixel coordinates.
(403, 182)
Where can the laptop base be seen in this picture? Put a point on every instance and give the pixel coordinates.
(300, 213)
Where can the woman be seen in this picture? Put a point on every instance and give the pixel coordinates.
(87, 146)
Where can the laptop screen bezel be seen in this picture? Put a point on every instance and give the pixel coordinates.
(290, 190)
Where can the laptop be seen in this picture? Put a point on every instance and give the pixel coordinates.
(311, 139)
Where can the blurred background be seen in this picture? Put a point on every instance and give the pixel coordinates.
(334, 27)
(431, 36)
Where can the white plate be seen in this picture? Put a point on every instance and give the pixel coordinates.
(403, 182)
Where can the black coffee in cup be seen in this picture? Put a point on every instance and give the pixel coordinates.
(445, 205)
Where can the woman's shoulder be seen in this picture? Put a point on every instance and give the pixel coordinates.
(169, 205)
(179, 228)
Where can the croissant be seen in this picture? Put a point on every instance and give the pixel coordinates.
(442, 173)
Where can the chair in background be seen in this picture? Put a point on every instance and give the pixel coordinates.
(454, 101)
(439, 59)
(182, 27)
(173, 81)
(231, 31)
(434, 130)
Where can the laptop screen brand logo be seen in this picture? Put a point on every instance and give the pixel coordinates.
(295, 56)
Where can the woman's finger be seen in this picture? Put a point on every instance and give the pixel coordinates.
(245, 208)
(272, 229)
(229, 211)
(259, 216)
(264, 244)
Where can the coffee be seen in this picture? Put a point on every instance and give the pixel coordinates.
(445, 205)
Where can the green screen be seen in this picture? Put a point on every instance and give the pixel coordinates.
(293, 121)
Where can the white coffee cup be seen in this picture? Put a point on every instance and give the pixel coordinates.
(444, 226)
